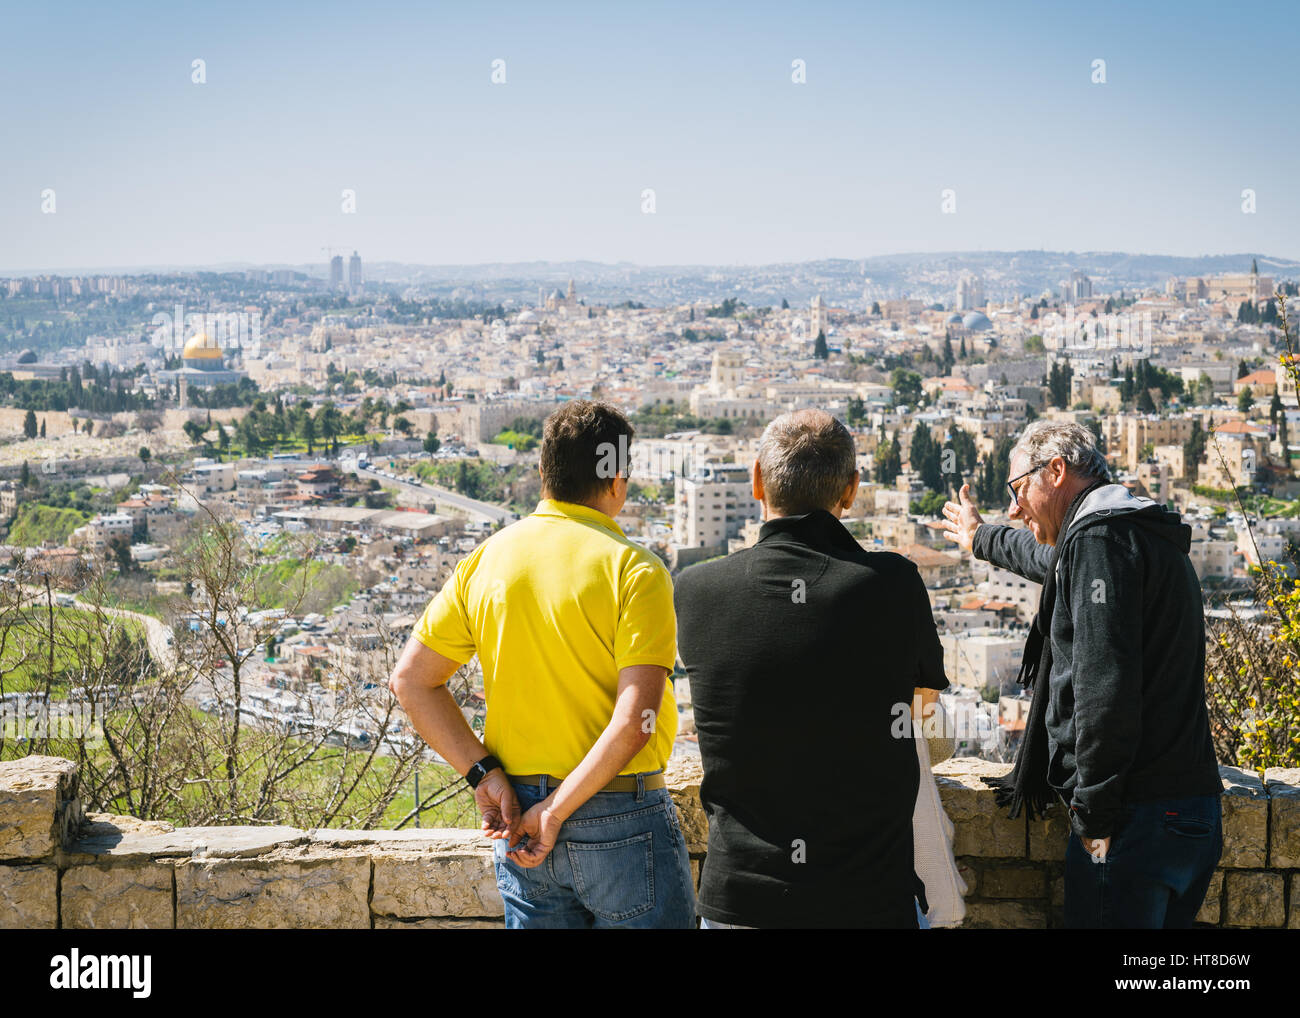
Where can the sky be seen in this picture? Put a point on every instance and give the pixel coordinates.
(605, 102)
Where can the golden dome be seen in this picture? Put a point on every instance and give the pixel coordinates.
(200, 347)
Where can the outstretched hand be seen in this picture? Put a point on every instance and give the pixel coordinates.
(961, 519)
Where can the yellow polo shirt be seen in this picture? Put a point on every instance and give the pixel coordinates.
(555, 605)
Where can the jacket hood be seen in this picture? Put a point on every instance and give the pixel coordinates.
(1114, 500)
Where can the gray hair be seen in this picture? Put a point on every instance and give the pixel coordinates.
(807, 459)
(1043, 441)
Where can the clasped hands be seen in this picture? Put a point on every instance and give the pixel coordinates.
(496, 801)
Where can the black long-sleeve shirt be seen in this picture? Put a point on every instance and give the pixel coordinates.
(803, 653)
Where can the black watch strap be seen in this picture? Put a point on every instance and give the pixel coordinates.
(479, 771)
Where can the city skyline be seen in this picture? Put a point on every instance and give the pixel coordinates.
(1000, 118)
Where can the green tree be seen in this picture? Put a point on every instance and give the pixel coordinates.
(144, 454)
(964, 451)
(888, 461)
(906, 385)
(431, 443)
(1245, 400)
(118, 551)
(820, 349)
(307, 431)
(925, 458)
(931, 503)
(29, 424)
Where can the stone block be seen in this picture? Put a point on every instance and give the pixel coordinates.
(1212, 907)
(1004, 915)
(130, 896)
(1245, 820)
(1019, 882)
(119, 839)
(307, 887)
(1254, 899)
(969, 870)
(38, 806)
(981, 827)
(682, 778)
(29, 897)
(1283, 787)
(1293, 918)
(457, 880)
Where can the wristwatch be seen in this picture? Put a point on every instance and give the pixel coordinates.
(479, 771)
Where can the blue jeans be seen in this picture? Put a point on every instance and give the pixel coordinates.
(1157, 870)
(620, 862)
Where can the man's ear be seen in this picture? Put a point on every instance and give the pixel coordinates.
(1059, 471)
(851, 492)
(756, 481)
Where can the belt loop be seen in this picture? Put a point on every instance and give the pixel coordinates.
(640, 787)
(542, 782)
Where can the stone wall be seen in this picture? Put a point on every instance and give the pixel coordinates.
(62, 869)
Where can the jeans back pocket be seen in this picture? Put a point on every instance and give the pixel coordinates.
(1189, 823)
(614, 879)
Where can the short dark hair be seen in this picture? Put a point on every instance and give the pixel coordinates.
(581, 442)
(807, 458)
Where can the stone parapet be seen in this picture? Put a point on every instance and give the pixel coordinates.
(62, 869)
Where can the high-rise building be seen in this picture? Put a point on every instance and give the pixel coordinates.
(336, 272)
(817, 320)
(970, 293)
(1078, 287)
(354, 272)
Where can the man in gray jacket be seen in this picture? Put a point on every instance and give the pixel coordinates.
(1121, 733)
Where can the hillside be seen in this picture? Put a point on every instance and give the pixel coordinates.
(36, 523)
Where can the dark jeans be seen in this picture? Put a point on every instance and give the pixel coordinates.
(1156, 872)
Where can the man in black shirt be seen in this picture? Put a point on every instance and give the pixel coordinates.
(804, 654)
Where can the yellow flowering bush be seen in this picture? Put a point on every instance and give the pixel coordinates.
(1252, 673)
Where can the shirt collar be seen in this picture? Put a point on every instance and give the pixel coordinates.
(819, 528)
(574, 511)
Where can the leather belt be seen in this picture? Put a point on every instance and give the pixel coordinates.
(622, 783)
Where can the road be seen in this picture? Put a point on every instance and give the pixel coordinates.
(485, 510)
(156, 631)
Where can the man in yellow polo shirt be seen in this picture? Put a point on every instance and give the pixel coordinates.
(574, 628)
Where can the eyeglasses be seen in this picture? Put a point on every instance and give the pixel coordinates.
(1011, 484)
